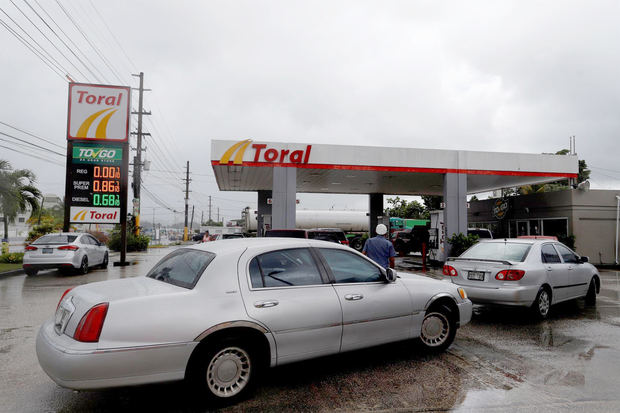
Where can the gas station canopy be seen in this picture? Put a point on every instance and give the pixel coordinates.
(248, 166)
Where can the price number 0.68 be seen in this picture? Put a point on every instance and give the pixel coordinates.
(106, 200)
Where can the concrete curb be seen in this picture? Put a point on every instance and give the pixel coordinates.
(12, 273)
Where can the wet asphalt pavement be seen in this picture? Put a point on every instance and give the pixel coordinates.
(501, 361)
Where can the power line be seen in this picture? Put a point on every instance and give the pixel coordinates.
(33, 144)
(33, 156)
(97, 51)
(49, 61)
(48, 39)
(71, 41)
(32, 134)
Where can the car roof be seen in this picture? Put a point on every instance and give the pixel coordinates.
(519, 240)
(238, 245)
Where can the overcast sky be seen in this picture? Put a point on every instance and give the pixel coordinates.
(517, 76)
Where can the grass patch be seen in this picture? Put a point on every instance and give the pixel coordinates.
(158, 246)
(9, 267)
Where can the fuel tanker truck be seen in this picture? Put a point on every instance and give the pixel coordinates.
(353, 223)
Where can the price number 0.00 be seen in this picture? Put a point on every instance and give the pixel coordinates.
(111, 172)
(106, 200)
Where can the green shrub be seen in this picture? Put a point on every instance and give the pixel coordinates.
(5, 248)
(460, 243)
(12, 258)
(134, 242)
(569, 241)
(38, 231)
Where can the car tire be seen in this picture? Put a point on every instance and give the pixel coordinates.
(357, 244)
(83, 266)
(542, 304)
(104, 264)
(438, 329)
(225, 371)
(591, 294)
(31, 273)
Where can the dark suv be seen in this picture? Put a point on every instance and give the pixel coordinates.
(410, 240)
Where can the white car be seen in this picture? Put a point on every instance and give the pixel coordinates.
(534, 273)
(65, 251)
(217, 313)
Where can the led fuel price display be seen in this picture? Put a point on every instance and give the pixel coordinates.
(96, 175)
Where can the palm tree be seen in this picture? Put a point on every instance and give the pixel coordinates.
(17, 191)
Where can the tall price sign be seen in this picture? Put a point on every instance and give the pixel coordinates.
(97, 155)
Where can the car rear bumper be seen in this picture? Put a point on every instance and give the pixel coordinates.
(82, 366)
(42, 263)
(516, 296)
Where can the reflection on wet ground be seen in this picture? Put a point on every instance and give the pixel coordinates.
(502, 361)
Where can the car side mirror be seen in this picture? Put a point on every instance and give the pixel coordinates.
(390, 275)
(584, 259)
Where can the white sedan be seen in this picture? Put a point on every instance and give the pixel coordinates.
(524, 272)
(66, 251)
(217, 313)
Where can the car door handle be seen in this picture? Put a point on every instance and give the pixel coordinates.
(353, 297)
(266, 304)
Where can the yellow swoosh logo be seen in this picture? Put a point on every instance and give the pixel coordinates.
(85, 126)
(242, 146)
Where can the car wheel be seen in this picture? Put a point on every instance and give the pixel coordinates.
(357, 244)
(84, 265)
(31, 273)
(591, 294)
(542, 304)
(104, 264)
(438, 329)
(226, 370)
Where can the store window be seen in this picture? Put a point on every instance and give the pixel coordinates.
(557, 227)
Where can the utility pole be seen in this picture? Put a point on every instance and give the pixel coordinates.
(186, 200)
(191, 223)
(209, 209)
(218, 214)
(137, 160)
(202, 217)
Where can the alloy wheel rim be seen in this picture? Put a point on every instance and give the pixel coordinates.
(228, 372)
(84, 265)
(435, 329)
(543, 303)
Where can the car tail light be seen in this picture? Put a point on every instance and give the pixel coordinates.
(510, 275)
(344, 242)
(450, 270)
(31, 248)
(63, 296)
(90, 326)
(69, 247)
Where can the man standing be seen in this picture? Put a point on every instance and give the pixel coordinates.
(379, 249)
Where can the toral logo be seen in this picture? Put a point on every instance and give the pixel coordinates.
(101, 131)
(240, 147)
(80, 216)
(264, 154)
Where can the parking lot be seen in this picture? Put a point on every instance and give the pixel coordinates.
(501, 361)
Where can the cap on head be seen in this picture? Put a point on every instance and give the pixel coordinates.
(381, 229)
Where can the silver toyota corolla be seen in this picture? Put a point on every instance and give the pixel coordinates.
(520, 272)
(65, 251)
(216, 313)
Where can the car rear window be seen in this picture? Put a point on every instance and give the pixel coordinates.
(508, 251)
(182, 267)
(56, 239)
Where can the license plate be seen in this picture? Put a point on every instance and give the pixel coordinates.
(475, 275)
(48, 250)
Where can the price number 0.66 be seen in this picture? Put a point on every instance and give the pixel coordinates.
(106, 200)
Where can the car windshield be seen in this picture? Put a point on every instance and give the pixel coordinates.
(509, 251)
(182, 267)
(56, 239)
